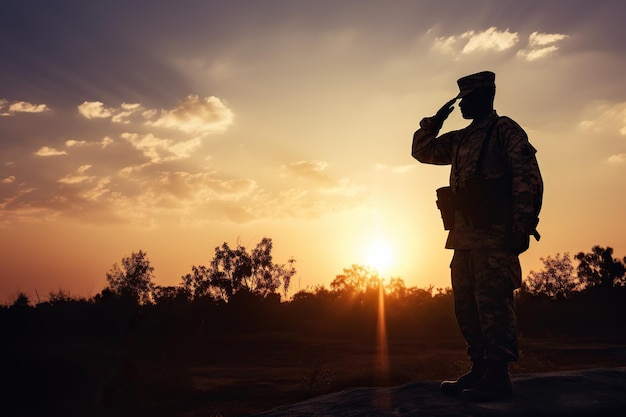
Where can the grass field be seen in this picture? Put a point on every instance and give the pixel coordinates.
(240, 374)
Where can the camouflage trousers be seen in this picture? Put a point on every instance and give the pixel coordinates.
(483, 282)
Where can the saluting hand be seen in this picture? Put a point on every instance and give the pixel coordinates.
(444, 111)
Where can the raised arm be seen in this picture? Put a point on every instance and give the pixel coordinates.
(427, 147)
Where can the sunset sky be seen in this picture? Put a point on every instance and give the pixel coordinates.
(175, 126)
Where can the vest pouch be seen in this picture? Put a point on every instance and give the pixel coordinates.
(445, 203)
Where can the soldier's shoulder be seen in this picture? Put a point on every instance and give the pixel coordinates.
(506, 121)
(510, 129)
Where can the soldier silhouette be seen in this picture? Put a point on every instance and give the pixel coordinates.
(490, 209)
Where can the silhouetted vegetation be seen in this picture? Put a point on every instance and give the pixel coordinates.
(235, 270)
(146, 347)
(133, 278)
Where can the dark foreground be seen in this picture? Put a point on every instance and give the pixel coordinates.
(594, 392)
(111, 358)
(240, 375)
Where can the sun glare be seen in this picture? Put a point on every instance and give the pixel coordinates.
(379, 255)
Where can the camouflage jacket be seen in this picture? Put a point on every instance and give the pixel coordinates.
(508, 154)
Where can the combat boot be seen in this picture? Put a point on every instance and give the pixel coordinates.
(495, 385)
(468, 380)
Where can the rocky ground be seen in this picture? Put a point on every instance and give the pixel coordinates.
(590, 392)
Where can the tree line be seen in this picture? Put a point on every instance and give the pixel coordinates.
(243, 290)
(237, 270)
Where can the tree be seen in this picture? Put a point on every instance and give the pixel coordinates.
(170, 295)
(599, 268)
(396, 288)
(357, 279)
(133, 278)
(60, 297)
(234, 270)
(419, 296)
(21, 301)
(556, 280)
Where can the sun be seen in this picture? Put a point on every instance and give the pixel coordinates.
(379, 255)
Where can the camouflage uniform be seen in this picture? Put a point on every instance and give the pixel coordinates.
(485, 271)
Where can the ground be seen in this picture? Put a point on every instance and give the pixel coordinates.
(242, 374)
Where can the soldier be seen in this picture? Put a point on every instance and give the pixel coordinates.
(495, 195)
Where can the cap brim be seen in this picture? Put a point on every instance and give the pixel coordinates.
(463, 93)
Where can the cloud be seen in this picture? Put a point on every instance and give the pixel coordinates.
(123, 114)
(490, 39)
(106, 141)
(47, 151)
(135, 176)
(617, 159)
(152, 196)
(204, 187)
(193, 114)
(605, 116)
(96, 193)
(94, 110)
(320, 193)
(445, 45)
(78, 177)
(472, 41)
(196, 115)
(159, 150)
(541, 45)
(71, 142)
(9, 109)
(311, 171)
(542, 39)
(186, 198)
(97, 110)
(538, 53)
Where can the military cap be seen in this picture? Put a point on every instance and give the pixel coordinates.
(472, 82)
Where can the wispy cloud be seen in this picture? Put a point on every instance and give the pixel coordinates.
(472, 41)
(94, 110)
(48, 151)
(541, 45)
(11, 108)
(617, 159)
(542, 39)
(72, 143)
(152, 193)
(196, 115)
(310, 170)
(316, 192)
(159, 150)
(605, 116)
(191, 115)
(78, 177)
(490, 39)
